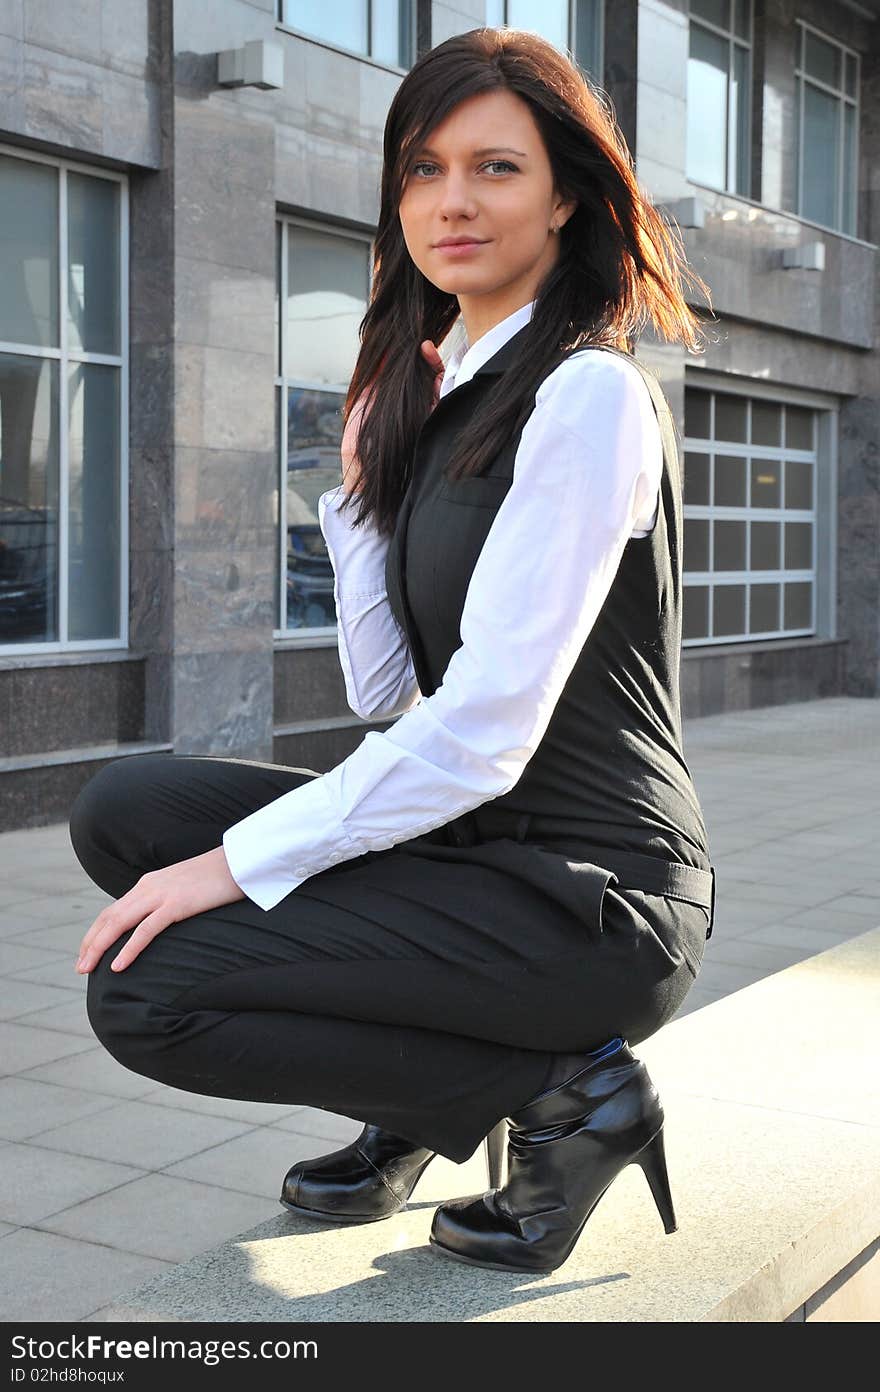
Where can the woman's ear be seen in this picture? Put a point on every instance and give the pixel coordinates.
(563, 211)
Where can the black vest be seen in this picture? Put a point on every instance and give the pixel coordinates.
(610, 768)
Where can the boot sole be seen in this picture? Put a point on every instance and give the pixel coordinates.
(338, 1217)
(494, 1266)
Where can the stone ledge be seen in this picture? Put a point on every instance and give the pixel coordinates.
(773, 1147)
(759, 645)
(81, 754)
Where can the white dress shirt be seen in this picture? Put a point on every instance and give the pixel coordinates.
(586, 477)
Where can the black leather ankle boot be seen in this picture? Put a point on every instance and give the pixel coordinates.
(370, 1179)
(565, 1147)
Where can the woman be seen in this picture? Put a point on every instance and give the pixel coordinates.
(475, 914)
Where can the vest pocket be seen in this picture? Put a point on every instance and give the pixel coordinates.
(481, 490)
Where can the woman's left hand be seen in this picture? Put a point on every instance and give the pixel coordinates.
(160, 898)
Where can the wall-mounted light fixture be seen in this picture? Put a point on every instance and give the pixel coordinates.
(258, 63)
(809, 256)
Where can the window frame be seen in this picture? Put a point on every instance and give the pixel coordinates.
(596, 73)
(65, 356)
(733, 40)
(825, 541)
(802, 77)
(326, 635)
(281, 23)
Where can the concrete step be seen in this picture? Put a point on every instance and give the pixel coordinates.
(773, 1147)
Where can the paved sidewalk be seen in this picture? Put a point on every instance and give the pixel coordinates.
(109, 1179)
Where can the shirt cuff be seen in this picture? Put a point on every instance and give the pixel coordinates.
(357, 554)
(274, 849)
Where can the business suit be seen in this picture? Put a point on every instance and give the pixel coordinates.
(426, 987)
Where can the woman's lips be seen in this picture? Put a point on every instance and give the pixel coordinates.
(460, 248)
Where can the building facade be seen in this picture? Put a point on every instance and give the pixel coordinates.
(185, 243)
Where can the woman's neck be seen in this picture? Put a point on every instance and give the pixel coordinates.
(479, 315)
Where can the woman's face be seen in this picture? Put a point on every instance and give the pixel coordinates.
(484, 174)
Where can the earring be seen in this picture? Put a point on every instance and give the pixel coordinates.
(554, 228)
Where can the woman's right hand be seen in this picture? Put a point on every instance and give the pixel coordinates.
(351, 469)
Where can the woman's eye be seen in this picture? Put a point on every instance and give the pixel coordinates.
(428, 164)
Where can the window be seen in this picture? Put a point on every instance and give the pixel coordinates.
(63, 420)
(380, 29)
(718, 87)
(827, 116)
(750, 518)
(572, 25)
(323, 283)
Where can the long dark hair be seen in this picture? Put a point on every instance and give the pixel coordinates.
(620, 264)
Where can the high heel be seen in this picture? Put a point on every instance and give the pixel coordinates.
(565, 1148)
(653, 1162)
(371, 1178)
(495, 1145)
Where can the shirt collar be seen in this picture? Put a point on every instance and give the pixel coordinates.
(465, 358)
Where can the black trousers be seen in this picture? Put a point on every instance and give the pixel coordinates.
(422, 988)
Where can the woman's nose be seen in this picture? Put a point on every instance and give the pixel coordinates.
(456, 198)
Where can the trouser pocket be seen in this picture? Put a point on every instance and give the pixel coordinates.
(672, 928)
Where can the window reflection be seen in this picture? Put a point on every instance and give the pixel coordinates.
(28, 499)
(93, 264)
(60, 508)
(93, 511)
(314, 433)
(381, 29)
(325, 287)
(718, 100)
(575, 28)
(707, 108)
(827, 132)
(821, 165)
(344, 22)
(28, 252)
(327, 283)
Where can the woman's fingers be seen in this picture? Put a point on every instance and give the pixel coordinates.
(147, 925)
(159, 898)
(105, 929)
(348, 445)
(431, 354)
(144, 933)
(93, 950)
(434, 360)
(112, 922)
